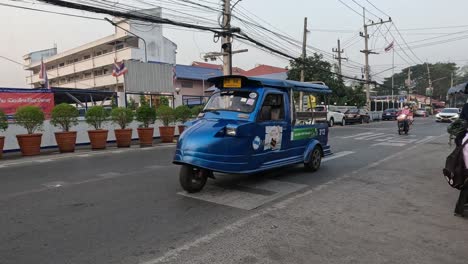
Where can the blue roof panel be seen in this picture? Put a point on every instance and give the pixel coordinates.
(196, 73)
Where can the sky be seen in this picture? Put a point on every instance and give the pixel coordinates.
(24, 31)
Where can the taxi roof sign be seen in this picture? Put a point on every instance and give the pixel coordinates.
(232, 82)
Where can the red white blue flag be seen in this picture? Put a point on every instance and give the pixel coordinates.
(43, 75)
(390, 46)
(119, 69)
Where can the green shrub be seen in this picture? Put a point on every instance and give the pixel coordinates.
(197, 110)
(165, 114)
(182, 113)
(96, 116)
(164, 101)
(122, 116)
(3, 121)
(30, 117)
(64, 116)
(146, 115)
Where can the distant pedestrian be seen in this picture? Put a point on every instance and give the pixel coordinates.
(459, 140)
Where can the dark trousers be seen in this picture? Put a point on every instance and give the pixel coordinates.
(462, 200)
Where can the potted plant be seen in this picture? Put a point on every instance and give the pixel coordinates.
(3, 127)
(146, 115)
(182, 114)
(166, 115)
(96, 116)
(65, 116)
(31, 118)
(196, 110)
(122, 117)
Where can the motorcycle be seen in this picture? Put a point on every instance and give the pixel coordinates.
(403, 124)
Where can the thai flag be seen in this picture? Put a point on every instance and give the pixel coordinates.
(389, 47)
(43, 75)
(119, 69)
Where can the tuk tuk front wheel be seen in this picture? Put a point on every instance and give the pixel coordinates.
(192, 179)
(315, 160)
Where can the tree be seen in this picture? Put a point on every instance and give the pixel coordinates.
(317, 69)
(439, 71)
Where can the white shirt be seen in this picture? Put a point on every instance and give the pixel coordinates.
(465, 150)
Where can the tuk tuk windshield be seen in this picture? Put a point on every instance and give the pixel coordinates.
(238, 101)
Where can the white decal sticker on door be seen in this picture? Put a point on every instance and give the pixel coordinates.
(273, 137)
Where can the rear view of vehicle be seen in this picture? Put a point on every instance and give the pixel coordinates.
(357, 116)
(448, 115)
(389, 114)
(421, 112)
(403, 123)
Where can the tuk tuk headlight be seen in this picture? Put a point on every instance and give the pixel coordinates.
(231, 131)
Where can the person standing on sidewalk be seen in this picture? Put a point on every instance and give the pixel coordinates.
(459, 140)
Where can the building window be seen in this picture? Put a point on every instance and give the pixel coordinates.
(76, 60)
(86, 57)
(186, 84)
(105, 71)
(88, 74)
(62, 64)
(99, 53)
(120, 46)
(104, 51)
(98, 73)
(63, 80)
(70, 62)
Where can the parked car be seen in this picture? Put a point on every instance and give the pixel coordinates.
(357, 116)
(421, 112)
(389, 114)
(448, 115)
(333, 117)
(437, 110)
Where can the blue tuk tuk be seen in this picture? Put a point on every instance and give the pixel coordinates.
(251, 125)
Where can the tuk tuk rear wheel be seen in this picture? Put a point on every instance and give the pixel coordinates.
(315, 160)
(192, 179)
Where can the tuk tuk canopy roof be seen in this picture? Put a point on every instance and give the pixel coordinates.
(280, 84)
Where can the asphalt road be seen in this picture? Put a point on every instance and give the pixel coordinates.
(128, 207)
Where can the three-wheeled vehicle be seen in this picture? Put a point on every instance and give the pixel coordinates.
(251, 125)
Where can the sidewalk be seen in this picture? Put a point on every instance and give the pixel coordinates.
(50, 154)
(382, 213)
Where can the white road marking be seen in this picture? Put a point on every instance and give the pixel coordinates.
(424, 140)
(243, 199)
(337, 155)
(109, 174)
(389, 144)
(83, 155)
(370, 137)
(357, 135)
(44, 160)
(56, 184)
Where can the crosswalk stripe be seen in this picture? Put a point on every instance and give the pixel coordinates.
(357, 135)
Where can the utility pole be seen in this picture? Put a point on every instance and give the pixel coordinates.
(304, 49)
(430, 85)
(227, 40)
(393, 74)
(367, 52)
(408, 83)
(226, 46)
(338, 57)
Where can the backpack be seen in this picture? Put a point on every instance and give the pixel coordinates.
(455, 171)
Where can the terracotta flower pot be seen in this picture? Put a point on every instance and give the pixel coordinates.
(123, 137)
(181, 129)
(2, 143)
(146, 136)
(167, 134)
(66, 141)
(30, 144)
(98, 138)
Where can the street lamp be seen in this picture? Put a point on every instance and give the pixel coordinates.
(177, 90)
(131, 33)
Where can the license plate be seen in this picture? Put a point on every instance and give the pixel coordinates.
(389, 114)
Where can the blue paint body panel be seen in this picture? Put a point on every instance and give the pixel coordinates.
(256, 146)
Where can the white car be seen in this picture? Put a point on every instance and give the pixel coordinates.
(448, 115)
(333, 117)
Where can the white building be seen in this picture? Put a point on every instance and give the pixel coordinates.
(90, 66)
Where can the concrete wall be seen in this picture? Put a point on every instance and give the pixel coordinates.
(48, 138)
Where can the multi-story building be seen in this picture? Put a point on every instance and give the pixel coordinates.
(89, 66)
